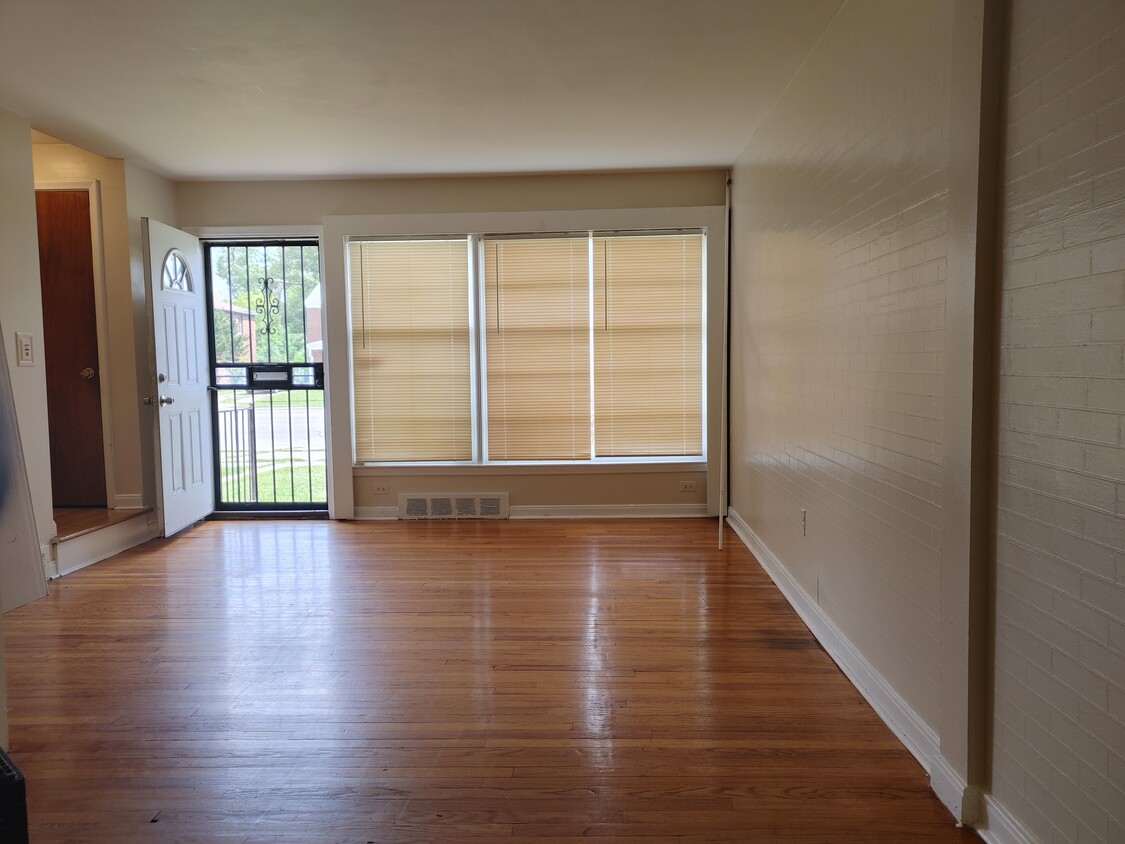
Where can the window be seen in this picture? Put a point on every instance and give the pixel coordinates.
(502, 348)
(648, 345)
(410, 350)
(176, 274)
(537, 306)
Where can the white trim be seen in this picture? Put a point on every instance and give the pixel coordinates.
(93, 547)
(903, 721)
(50, 560)
(609, 511)
(478, 363)
(256, 232)
(377, 514)
(1000, 826)
(133, 501)
(101, 319)
(962, 799)
(574, 468)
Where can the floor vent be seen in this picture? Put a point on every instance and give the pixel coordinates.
(491, 505)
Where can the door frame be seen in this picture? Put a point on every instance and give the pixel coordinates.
(93, 189)
(218, 234)
(279, 508)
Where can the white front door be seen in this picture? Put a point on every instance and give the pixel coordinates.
(178, 395)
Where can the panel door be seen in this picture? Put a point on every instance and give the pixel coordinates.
(174, 274)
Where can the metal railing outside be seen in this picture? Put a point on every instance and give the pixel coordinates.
(238, 455)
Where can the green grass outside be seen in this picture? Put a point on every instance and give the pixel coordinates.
(297, 398)
(293, 485)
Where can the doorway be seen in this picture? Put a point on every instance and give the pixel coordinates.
(69, 265)
(267, 375)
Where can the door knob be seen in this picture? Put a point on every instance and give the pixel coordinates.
(166, 400)
(87, 373)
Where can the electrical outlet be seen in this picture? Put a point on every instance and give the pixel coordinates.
(687, 486)
(25, 353)
(381, 489)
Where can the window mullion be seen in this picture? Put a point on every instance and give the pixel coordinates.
(590, 338)
(478, 355)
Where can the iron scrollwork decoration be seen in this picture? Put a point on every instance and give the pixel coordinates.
(267, 305)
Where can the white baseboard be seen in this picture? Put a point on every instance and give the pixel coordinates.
(999, 826)
(50, 561)
(904, 722)
(609, 511)
(962, 799)
(93, 547)
(128, 502)
(375, 514)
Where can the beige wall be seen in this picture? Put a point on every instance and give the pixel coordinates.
(853, 240)
(206, 204)
(57, 163)
(21, 309)
(305, 203)
(839, 273)
(1058, 725)
(560, 493)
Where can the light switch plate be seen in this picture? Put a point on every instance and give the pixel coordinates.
(25, 352)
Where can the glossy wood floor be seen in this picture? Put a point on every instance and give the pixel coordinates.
(445, 682)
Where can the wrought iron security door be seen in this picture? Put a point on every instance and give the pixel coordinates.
(268, 375)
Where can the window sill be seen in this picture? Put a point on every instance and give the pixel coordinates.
(529, 468)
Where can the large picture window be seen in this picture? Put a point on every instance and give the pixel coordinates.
(494, 349)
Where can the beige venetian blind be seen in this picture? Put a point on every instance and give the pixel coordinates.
(538, 348)
(410, 350)
(648, 345)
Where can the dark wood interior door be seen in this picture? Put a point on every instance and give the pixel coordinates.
(70, 349)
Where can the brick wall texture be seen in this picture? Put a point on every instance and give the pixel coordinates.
(1058, 723)
(838, 304)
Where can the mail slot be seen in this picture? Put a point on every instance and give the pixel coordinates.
(270, 376)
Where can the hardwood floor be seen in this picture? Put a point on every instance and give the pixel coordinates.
(445, 682)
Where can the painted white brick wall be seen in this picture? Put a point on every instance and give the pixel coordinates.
(1058, 730)
(837, 317)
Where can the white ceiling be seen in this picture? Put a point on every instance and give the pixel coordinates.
(227, 89)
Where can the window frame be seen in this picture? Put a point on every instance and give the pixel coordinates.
(340, 230)
(473, 378)
(477, 312)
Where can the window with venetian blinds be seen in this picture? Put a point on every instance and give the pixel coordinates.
(537, 300)
(590, 346)
(410, 350)
(648, 345)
